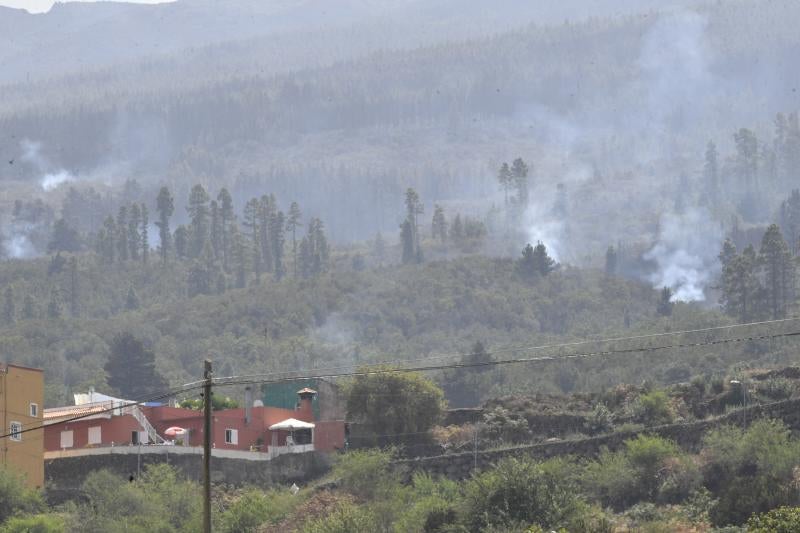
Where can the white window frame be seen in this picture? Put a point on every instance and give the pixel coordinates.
(231, 436)
(94, 435)
(33, 409)
(62, 442)
(15, 431)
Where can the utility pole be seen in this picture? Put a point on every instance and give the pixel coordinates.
(207, 447)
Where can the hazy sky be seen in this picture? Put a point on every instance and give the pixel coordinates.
(40, 6)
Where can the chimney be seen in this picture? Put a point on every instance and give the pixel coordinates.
(305, 409)
(248, 404)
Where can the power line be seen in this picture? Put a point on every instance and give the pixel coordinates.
(253, 379)
(243, 380)
(462, 355)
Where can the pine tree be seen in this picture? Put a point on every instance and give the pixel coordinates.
(131, 369)
(64, 238)
(747, 159)
(292, 223)
(526, 265)
(407, 240)
(379, 249)
(144, 234)
(790, 220)
(54, 309)
(457, 229)
(9, 309)
(519, 173)
(505, 179)
(132, 301)
(29, 307)
(776, 261)
(611, 261)
(239, 256)
(199, 215)
(250, 224)
(439, 224)
(216, 230)
(739, 285)
(711, 173)
(277, 228)
(74, 297)
(181, 239)
(134, 237)
(727, 254)
(665, 304)
(165, 205)
(543, 263)
(266, 214)
(227, 217)
(109, 247)
(122, 233)
(414, 208)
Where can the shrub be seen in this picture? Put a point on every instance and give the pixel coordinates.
(517, 491)
(345, 518)
(653, 409)
(776, 388)
(365, 474)
(646, 469)
(750, 471)
(42, 523)
(15, 497)
(780, 520)
(504, 425)
(600, 420)
(612, 480)
(254, 508)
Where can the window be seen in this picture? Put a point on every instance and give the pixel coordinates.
(231, 436)
(95, 435)
(66, 439)
(16, 431)
(34, 408)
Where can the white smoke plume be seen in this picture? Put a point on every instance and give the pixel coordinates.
(51, 177)
(17, 243)
(686, 254)
(542, 226)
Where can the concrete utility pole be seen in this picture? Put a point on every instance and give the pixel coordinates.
(207, 447)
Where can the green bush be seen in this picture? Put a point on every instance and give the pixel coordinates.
(653, 408)
(648, 468)
(345, 518)
(254, 508)
(15, 497)
(517, 491)
(366, 474)
(750, 471)
(504, 425)
(42, 523)
(780, 520)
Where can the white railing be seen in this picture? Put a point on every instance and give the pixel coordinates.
(155, 449)
(275, 451)
(152, 434)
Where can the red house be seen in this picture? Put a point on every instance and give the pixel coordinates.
(111, 422)
(255, 428)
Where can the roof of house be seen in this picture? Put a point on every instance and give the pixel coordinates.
(5, 366)
(292, 423)
(59, 414)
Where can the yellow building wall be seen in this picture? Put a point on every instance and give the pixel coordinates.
(20, 387)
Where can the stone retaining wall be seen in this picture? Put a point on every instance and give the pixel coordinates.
(688, 436)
